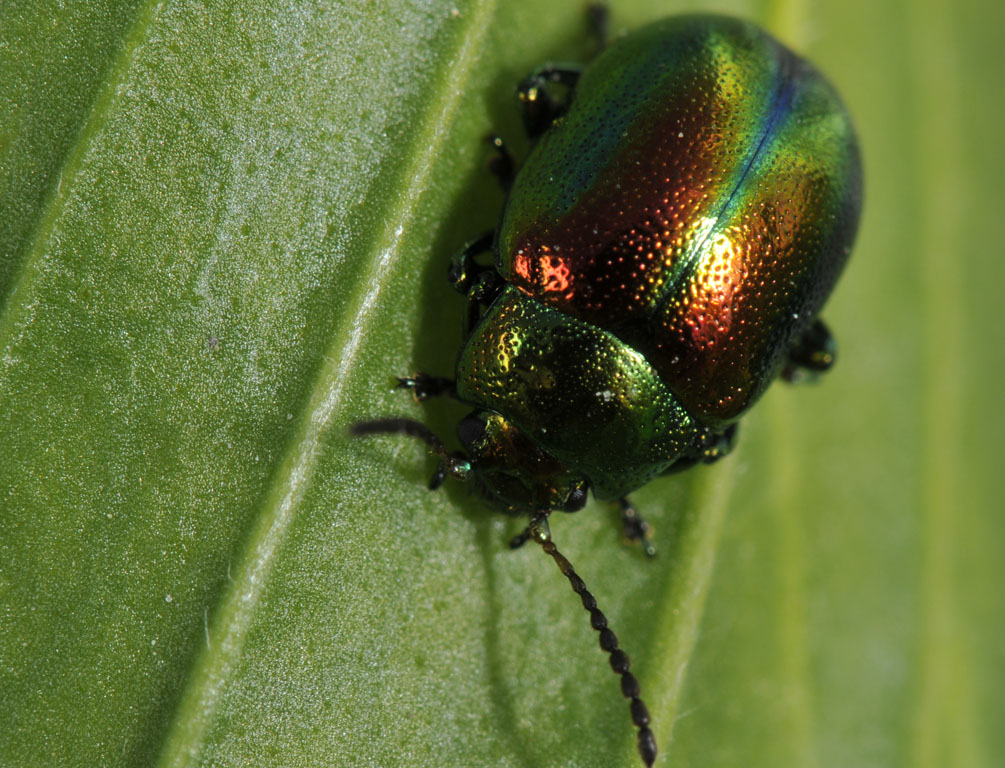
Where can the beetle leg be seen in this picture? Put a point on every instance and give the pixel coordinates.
(520, 539)
(811, 354)
(479, 282)
(599, 16)
(482, 293)
(501, 164)
(635, 528)
(539, 107)
(424, 386)
(710, 447)
(464, 270)
(720, 444)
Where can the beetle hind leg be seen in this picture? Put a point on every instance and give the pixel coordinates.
(711, 446)
(719, 445)
(812, 353)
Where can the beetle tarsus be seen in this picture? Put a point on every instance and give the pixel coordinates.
(720, 445)
(464, 270)
(424, 386)
(501, 163)
(520, 539)
(812, 353)
(538, 105)
(635, 527)
(439, 475)
(598, 15)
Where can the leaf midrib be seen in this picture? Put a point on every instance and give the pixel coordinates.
(225, 639)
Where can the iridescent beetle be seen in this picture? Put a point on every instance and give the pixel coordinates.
(664, 251)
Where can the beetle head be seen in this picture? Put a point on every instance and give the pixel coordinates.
(511, 470)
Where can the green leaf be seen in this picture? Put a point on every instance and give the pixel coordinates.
(223, 228)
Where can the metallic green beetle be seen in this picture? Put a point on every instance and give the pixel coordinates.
(662, 257)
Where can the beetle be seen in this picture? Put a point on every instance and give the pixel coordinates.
(688, 203)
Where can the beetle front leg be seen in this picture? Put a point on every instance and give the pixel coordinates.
(812, 353)
(520, 539)
(482, 293)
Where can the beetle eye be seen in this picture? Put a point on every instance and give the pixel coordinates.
(470, 430)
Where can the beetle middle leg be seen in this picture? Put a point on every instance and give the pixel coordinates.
(599, 18)
(424, 386)
(538, 105)
(635, 528)
(480, 283)
(501, 164)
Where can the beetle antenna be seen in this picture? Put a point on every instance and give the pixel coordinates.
(408, 427)
(539, 531)
(454, 464)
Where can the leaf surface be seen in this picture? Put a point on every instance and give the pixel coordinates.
(224, 228)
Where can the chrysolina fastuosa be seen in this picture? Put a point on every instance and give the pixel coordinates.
(688, 203)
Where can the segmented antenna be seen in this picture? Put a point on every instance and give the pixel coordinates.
(459, 466)
(539, 531)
